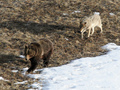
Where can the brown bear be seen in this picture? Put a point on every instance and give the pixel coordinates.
(37, 51)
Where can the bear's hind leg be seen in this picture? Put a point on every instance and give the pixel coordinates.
(46, 58)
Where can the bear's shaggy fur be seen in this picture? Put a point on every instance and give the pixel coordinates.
(37, 51)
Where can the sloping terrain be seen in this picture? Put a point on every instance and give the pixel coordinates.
(26, 21)
(89, 73)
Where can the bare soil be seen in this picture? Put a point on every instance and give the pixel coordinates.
(26, 21)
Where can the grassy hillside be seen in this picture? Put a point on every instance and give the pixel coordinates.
(26, 21)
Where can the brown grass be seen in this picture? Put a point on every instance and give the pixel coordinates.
(22, 22)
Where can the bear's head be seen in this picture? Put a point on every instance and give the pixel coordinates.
(31, 50)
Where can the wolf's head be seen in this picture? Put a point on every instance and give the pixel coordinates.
(82, 26)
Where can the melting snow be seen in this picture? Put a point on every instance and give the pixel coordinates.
(111, 14)
(1, 78)
(15, 71)
(76, 12)
(96, 13)
(21, 56)
(65, 14)
(21, 82)
(90, 73)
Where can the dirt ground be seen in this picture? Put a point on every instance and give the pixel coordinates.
(26, 21)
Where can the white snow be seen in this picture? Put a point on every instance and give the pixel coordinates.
(24, 71)
(110, 46)
(1, 78)
(96, 13)
(36, 85)
(90, 73)
(22, 56)
(14, 71)
(111, 14)
(21, 82)
(77, 11)
(66, 39)
(65, 14)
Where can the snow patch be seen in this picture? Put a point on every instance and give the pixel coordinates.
(112, 14)
(76, 12)
(22, 56)
(110, 46)
(90, 73)
(96, 13)
(36, 85)
(65, 14)
(21, 82)
(66, 39)
(14, 71)
(1, 78)
(24, 71)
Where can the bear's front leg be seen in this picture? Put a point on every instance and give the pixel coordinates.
(34, 64)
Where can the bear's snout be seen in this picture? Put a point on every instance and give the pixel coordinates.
(27, 57)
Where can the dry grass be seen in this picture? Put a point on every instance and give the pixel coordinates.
(25, 21)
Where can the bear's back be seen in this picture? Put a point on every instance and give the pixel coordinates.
(46, 45)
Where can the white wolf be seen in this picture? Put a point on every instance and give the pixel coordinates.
(89, 23)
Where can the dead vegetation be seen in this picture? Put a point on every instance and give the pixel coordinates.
(25, 21)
